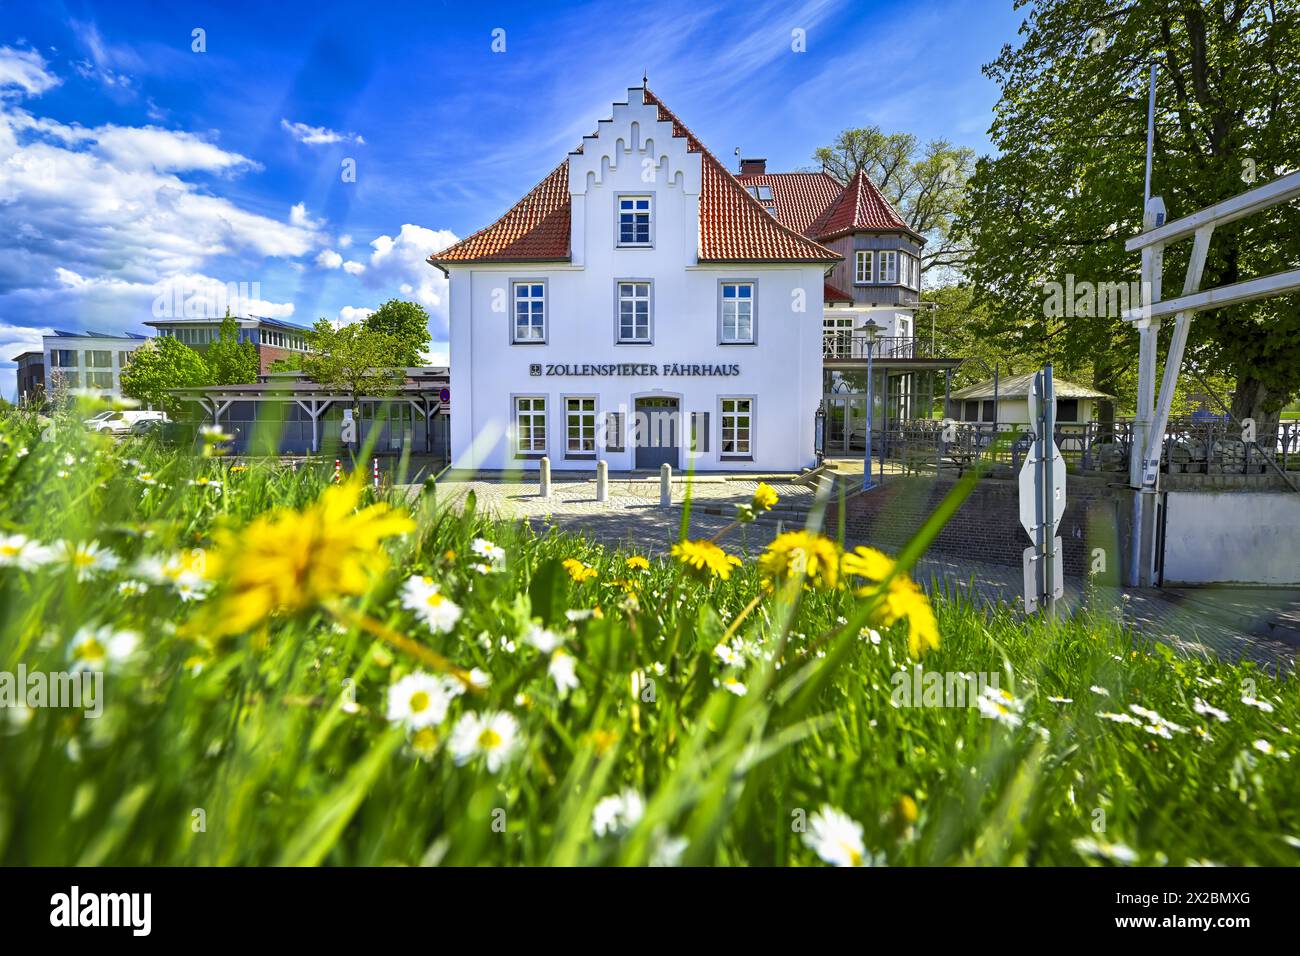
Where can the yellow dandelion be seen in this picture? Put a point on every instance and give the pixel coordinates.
(902, 600)
(705, 558)
(765, 497)
(578, 571)
(290, 560)
(637, 563)
(867, 563)
(795, 554)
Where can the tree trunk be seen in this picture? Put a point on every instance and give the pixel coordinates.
(1253, 399)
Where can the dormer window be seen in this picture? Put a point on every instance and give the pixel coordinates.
(634, 221)
(762, 193)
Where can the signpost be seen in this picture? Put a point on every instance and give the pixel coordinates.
(1042, 500)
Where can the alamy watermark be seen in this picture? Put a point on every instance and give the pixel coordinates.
(922, 688)
(189, 299)
(73, 690)
(1085, 299)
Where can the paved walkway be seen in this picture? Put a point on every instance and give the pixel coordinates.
(1261, 624)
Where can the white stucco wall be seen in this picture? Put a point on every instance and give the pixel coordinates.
(1220, 537)
(634, 153)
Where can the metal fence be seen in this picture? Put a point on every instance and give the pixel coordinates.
(847, 344)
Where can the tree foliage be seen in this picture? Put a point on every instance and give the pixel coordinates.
(407, 325)
(161, 364)
(926, 184)
(1065, 190)
(231, 361)
(352, 359)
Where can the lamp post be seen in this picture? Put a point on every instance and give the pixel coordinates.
(869, 328)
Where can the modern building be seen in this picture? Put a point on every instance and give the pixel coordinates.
(31, 376)
(641, 306)
(1076, 405)
(275, 339)
(89, 360)
(287, 413)
(876, 280)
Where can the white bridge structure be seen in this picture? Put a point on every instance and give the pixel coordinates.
(1153, 411)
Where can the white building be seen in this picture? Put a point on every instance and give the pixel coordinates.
(87, 360)
(639, 306)
(1076, 404)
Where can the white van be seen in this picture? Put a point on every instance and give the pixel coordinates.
(119, 423)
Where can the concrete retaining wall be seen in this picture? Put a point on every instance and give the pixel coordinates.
(1219, 537)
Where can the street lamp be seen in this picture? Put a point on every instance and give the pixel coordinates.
(869, 329)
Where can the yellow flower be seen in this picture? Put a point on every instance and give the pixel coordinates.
(765, 497)
(903, 599)
(637, 563)
(795, 554)
(292, 560)
(705, 558)
(578, 571)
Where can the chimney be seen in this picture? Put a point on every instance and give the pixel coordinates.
(753, 167)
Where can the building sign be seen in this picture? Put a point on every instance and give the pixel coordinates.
(635, 369)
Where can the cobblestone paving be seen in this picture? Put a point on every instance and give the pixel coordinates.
(1259, 624)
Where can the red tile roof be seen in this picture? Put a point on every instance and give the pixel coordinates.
(832, 294)
(822, 209)
(734, 226)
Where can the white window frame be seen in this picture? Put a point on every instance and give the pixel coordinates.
(515, 286)
(528, 437)
(723, 415)
(580, 413)
(862, 276)
(885, 259)
(649, 213)
(737, 300)
(635, 297)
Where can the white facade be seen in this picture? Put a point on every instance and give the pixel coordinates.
(87, 361)
(751, 406)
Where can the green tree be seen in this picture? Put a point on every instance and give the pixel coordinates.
(231, 361)
(926, 184)
(160, 364)
(1064, 190)
(407, 325)
(352, 359)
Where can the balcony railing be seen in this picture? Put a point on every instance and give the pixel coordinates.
(853, 345)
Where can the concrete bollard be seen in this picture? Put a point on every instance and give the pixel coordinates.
(544, 471)
(665, 485)
(602, 480)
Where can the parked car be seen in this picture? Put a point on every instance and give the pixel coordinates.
(121, 422)
(168, 432)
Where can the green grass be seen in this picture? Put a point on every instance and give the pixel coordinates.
(261, 739)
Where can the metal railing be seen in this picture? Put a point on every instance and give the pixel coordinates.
(853, 345)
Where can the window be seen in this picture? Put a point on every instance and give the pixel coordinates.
(1067, 409)
(972, 412)
(737, 421)
(863, 272)
(738, 313)
(530, 426)
(634, 221)
(99, 379)
(70, 379)
(579, 428)
(762, 193)
(530, 312)
(887, 268)
(914, 266)
(123, 358)
(634, 311)
(613, 431)
(988, 410)
(63, 358)
(99, 358)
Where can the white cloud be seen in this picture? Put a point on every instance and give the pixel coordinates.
(351, 313)
(401, 263)
(298, 217)
(24, 70)
(354, 268)
(344, 241)
(318, 135)
(164, 150)
(329, 259)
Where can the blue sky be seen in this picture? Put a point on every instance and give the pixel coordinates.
(128, 160)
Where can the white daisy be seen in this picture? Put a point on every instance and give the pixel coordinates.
(132, 588)
(86, 558)
(1263, 746)
(1263, 705)
(419, 700)
(998, 704)
(562, 671)
(495, 554)
(667, 850)
(1061, 700)
(728, 655)
(1208, 710)
(95, 648)
(478, 678)
(1114, 852)
(836, 838)
(19, 551)
(735, 686)
(1099, 691)
(617, 814)
(422, 595)
(542, 639)
(1119, 718)
(493, 736)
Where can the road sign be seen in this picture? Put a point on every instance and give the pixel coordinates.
(1030, 489)
(1032, 575)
